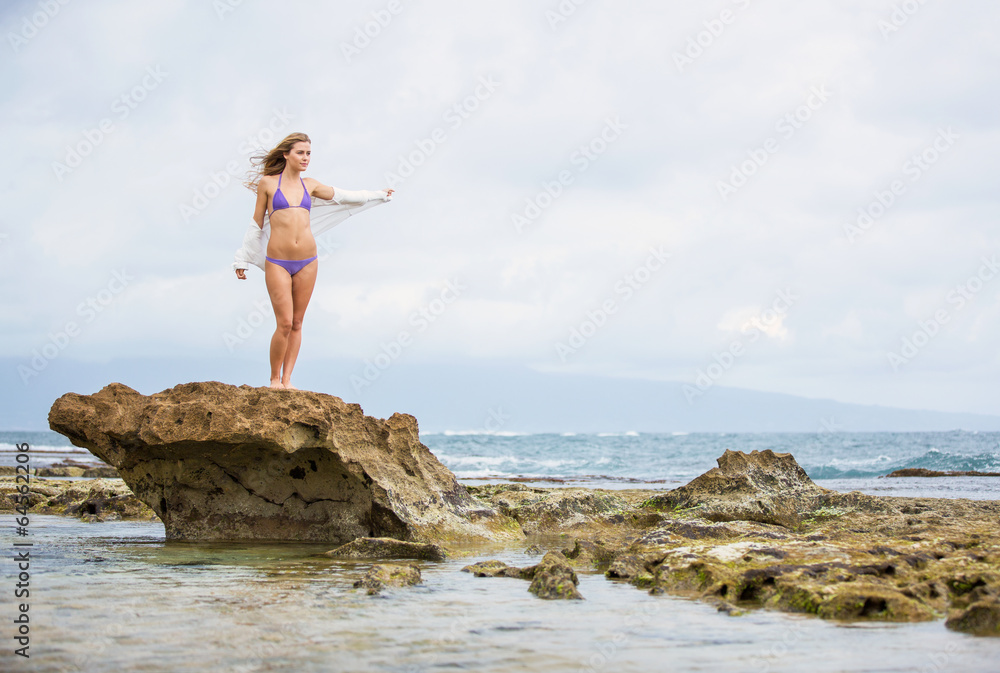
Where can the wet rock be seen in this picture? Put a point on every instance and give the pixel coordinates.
(220, 462)
(861, 601)
(386, 547)
(761, 486)
(553, 578)
(496, 568)
(982, 618)
(60, 471)
(382, 576)
(629, 567)
(96, 500)
(540, 510)
(588, 553)
(924, 472)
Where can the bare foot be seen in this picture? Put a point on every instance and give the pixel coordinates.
(276, 383)
(289, 386)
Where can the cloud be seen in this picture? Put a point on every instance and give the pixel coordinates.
(744, 112)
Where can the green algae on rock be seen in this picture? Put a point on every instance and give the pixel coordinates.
(384, 575)
(92, 500)
(386, 547)
(552, 578)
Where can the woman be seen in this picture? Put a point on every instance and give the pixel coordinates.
(284, 225)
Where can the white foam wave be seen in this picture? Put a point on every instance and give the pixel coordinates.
(42, 448)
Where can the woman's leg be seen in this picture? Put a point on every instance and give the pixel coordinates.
(279, 287)
(302, 289)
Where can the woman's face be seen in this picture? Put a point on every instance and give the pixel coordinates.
(298, 157)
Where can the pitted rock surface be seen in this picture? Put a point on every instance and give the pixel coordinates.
(220, 462)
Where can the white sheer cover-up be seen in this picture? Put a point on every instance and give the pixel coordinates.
(324, 215)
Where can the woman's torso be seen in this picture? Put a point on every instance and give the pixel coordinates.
(291, 236)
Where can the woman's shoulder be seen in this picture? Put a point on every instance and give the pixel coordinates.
(268, 182)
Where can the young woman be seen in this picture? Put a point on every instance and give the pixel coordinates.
(281, 239)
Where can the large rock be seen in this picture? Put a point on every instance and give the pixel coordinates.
(217, 462)
(761, 486)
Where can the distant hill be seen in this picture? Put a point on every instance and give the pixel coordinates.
(467, 397)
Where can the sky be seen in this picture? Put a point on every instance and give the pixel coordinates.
(779, 196)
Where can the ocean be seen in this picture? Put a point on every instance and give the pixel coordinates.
(117, 595)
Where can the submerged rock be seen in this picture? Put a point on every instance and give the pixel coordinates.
(552, 578)
(220, 462)
(494, 568)
(386, 575)
(387, 547)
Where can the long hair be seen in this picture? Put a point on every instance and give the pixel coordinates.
(273, 162)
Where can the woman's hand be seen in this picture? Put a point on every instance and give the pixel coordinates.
(241, 274)
(389, 192)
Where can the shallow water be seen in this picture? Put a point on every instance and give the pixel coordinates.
(117, 596)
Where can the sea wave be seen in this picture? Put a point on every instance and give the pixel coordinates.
(933, 459)
(42, 448)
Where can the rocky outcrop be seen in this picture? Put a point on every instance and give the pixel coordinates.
(761, 486)
(387, 547)
(219, 462)
(91, 500)
(382, 576)
(545, 510)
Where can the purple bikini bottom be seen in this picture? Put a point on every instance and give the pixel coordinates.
(292, 266)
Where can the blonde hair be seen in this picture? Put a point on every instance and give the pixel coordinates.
(273, 162)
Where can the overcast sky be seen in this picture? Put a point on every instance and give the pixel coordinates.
(796, 197)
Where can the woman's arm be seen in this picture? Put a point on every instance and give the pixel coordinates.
(261, 206)
(321, 191)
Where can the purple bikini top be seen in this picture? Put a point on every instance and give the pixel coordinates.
(280, 202)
